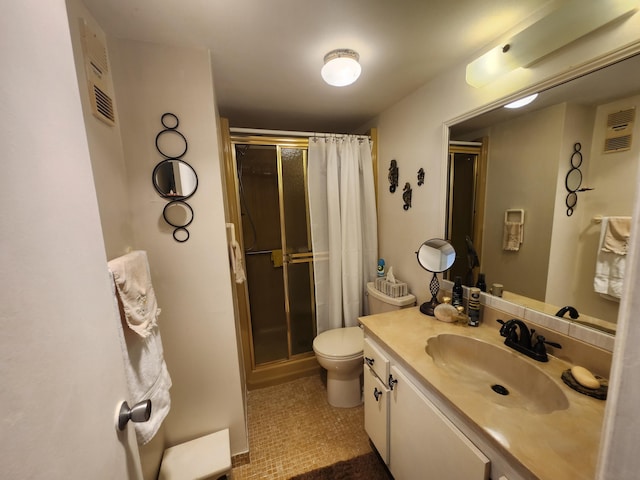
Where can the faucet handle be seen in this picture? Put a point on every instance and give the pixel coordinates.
(541, 341)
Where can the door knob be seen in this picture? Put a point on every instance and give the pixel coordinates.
(140, 412)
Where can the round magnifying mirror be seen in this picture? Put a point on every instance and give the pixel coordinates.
(436, 255)
(175, 179)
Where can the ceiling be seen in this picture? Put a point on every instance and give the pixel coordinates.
(267, 55)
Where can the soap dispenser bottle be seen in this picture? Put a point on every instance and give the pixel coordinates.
(456, 300)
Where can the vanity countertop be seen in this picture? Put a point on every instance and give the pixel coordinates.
(557, 445)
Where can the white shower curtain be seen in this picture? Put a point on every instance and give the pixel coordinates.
(342, 209)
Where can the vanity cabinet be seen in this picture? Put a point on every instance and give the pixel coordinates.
(410, 433)
(424, 443)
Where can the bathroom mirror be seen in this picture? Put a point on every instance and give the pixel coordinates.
(521, 159)
(435, 255)
(175, 179)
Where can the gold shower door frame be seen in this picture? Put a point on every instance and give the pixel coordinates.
(478, 196)
(296, 365)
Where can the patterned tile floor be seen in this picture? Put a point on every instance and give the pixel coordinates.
(292, 430)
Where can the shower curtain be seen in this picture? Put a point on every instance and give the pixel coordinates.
(342, 210)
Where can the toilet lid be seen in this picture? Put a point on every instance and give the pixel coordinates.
(340, 342)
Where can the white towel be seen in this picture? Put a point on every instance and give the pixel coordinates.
(133, 281)
(145, 368)
(610, 266)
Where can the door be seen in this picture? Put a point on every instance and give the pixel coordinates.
(272, 196)
(60, 358)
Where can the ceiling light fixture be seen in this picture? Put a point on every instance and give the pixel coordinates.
(568, 23)
(341, 67)
(522, 102)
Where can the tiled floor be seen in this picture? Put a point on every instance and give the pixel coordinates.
(292, 430)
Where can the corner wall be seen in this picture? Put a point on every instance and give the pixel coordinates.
(191, 279)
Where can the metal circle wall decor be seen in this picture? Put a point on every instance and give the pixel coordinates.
(573, 180)
(173, 178)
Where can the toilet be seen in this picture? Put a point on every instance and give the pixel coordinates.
(339, 351)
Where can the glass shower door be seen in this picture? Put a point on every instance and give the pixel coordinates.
(273, 201)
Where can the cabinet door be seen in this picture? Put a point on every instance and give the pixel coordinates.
(424, 443)
(376, 412)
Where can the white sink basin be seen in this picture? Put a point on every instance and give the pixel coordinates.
(502, 375)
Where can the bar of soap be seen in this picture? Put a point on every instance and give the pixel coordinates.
(584, 377)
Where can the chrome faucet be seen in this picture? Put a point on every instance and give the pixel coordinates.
(522, 342)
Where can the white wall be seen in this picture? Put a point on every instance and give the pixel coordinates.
(105, 146)
(521, 171)
(191, 279)
(613, 177)
(564, 262)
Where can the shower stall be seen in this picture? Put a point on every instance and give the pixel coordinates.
(267, 201)
(276, 303)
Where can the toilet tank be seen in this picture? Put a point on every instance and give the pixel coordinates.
(380, 303)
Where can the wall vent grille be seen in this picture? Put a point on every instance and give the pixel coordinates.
(96, 63)
(619, 130)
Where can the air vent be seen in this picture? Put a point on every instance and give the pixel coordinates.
(619, 130)
(96, 63)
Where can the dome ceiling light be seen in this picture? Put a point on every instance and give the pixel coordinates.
(341, 67)
(522, 102)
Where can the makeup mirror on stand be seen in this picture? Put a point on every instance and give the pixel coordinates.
(435, 256)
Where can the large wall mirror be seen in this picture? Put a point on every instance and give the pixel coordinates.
(527, 154)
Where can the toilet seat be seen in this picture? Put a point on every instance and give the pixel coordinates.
(340, 343)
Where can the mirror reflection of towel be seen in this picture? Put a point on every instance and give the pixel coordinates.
(611, 256)
(616, 236)
(512, 237)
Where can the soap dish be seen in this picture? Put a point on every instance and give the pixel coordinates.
(600, 393)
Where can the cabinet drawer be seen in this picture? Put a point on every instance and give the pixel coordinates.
(376, 360)
(376, 412)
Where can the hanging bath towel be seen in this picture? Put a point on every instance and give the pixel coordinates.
(144, 365)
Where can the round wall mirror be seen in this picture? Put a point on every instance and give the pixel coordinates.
(175, 179)
(573, 180)
(436, 256)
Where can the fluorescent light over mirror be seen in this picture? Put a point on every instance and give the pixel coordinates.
(567, 23)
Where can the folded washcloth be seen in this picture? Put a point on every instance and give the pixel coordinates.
(133, 281)
(512, 237)
(616, 237)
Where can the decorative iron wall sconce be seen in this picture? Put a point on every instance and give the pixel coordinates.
(393, 176)
(406, 196)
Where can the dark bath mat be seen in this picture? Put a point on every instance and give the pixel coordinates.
(364, 467)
